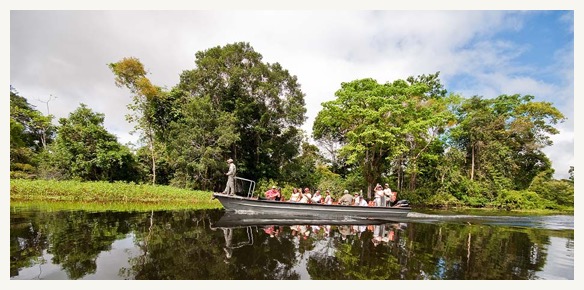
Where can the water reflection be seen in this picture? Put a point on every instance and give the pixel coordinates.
(210, 245)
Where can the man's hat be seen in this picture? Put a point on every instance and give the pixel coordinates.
(229, 160)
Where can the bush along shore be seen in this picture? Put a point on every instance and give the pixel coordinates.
(101, 192)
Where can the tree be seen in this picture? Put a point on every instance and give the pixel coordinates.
(377, 124)
(503, 138)
(264, 98)
(85, 149)
(197, 143)
(30, 132)
(130, 73)
(301, 171)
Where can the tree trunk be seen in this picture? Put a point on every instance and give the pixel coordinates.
(472, 154)
(400, 173)
(151, 145)
(413, 180)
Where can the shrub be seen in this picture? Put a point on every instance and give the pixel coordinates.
(442, 199)
(520, 199)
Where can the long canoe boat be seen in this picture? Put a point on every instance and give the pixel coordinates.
(250, 204)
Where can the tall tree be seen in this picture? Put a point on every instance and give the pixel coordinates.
(503, 138)
(378, 124)
(130, 73)
(426, 117)
(197, 143)
(30, 130)
(264, 98)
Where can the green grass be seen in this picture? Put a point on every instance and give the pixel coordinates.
(107, 195)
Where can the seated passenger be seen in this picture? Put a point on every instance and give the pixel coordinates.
(356, 199)
(273, 194)
(362, 201)
(306, 197)
(295, 197)
(316, 198)
(328, 199)
(346, 199)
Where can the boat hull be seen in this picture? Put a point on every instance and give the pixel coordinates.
(260, 206)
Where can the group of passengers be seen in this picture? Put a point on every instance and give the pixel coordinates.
(382, 197)
(307, 197)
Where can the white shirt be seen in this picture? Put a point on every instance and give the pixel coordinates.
(328, 200)
(316, 198)
(232, 170)
(387, 192)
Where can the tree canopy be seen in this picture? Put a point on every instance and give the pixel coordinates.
(265, 100)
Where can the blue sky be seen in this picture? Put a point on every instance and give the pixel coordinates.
(478, 52)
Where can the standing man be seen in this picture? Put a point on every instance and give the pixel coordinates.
(230, 187)
(388, 195)
(379, 195)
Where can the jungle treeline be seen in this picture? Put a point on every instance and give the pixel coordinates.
(431, 146)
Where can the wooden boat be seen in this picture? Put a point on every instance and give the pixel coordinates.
(250, 204)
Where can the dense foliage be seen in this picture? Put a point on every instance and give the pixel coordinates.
(432, 147)
(30, 133)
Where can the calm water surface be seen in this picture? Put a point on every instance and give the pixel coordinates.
(214, 245)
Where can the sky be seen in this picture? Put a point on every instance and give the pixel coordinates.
(58, 57)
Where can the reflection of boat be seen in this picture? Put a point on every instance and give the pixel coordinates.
(231, 219)
(251, 204)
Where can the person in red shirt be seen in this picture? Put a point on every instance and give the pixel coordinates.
(273, 194)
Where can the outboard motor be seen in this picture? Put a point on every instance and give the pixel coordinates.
(402, 203)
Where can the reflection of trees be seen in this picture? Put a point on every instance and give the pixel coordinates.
(271, 258)
(27, 242)
(356, 258)
(427, 251)
(175, 245)
(470, 252)
(74, 238)
(178, 249)
(181, 245)
(77, 238)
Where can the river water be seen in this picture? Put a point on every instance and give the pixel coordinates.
(214, 245)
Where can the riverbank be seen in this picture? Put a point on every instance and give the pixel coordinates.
(117, 194)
